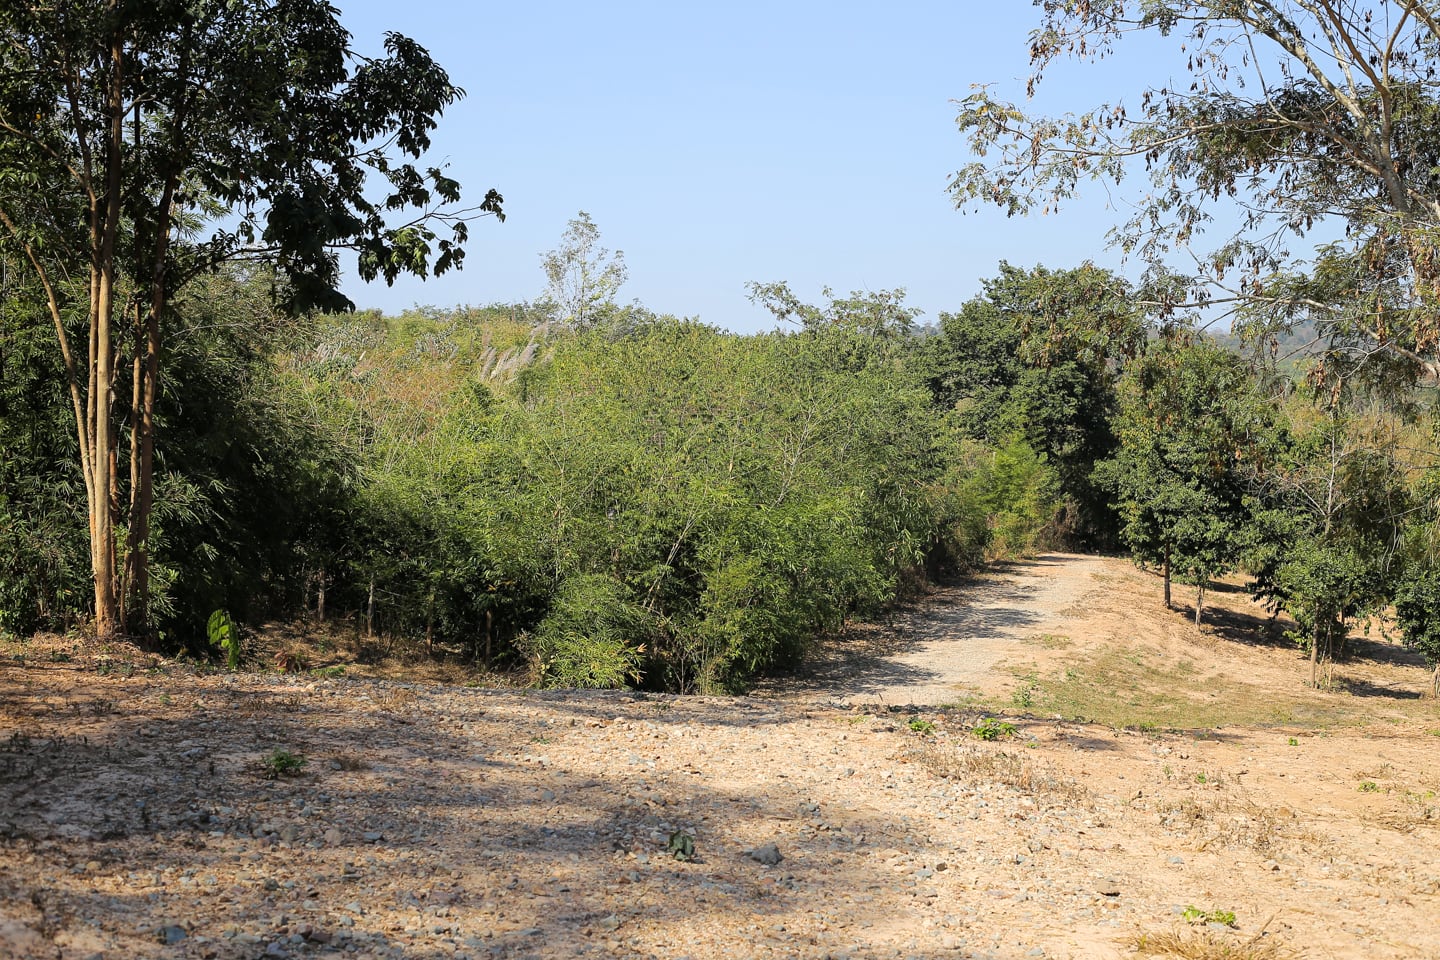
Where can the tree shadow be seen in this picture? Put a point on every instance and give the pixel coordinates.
(1249, 629)
(446, 810)
(1357, 687)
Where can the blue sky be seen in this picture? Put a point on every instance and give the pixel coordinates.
(718, 144)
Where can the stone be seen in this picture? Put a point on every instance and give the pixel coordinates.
(769, 854)
(171, 933)
(1108, 888)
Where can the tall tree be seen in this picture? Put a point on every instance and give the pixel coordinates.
(582, 277)
(1300, 117)
(144, 142)
(1039, 355)
(1191, 422)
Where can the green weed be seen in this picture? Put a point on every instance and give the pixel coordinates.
(991, 729)
(282, 763)
(1194, 914)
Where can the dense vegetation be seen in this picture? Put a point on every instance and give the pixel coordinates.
(604, 496)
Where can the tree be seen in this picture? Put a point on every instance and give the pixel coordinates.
(1039, 355)
(1303, 117)
(1191, 421)
(145, 143)
(582, 277)
(1331, 522)
(1417, 610)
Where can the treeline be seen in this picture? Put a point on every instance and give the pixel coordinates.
(624, 498)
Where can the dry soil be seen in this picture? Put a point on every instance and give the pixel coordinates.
(828, 816)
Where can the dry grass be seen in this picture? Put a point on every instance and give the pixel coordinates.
(1224, 823)
(349, 761)
(1206, 945)
(972, 763)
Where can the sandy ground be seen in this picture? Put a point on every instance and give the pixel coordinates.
(136, 819)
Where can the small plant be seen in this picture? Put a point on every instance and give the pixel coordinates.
(283, 763)
(338, 670)
(682, 845)
(990, 728)
(1024, 696)
(1194, 914)
(921, 726)
(1294, 742)
(1369, 786)
(225, 635)
(1201, 778)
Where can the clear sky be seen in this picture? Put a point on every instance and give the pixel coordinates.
(717, 144)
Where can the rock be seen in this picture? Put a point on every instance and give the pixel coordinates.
(276, 949)
(334, 837)
(170, 933)
(1108, 888)
(610, 924)
(1271, 865)
(768, 854)
(1035, 846)
(372, 836)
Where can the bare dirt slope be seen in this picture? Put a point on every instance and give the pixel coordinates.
(428, 822)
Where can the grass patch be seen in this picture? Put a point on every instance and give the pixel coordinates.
(1122, 688)
(972, 764)
(1208, 945)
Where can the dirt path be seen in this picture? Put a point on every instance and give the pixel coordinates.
(949, 646)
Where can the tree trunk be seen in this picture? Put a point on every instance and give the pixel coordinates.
(142, 498)
(105, 228)
(1165, 572)
(320, 597)
(370, 611)
(1199, 601)
(489, 619)
(1315, 657)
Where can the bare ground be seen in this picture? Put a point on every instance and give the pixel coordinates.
(439, 821)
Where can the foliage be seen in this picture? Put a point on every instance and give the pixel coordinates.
(225, 636)
(282, 763)
(1317, 118)
(1417, 611)
(1330, 523)
(1018, 491)
(170, 139)
(1036, 359)
(990, 728)
(1194, 914)
(1191, 421)
(582, 277)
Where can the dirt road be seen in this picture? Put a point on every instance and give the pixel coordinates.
(137, 820)
(950, 646)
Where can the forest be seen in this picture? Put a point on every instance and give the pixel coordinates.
(200, 435)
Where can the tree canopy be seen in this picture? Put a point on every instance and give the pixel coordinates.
(1299, 120)
(143, 144)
